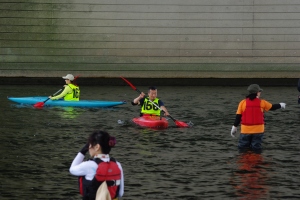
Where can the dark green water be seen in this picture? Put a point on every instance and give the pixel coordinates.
(202, 162)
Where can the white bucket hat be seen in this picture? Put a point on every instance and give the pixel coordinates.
(69, 77)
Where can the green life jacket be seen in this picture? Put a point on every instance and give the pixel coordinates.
(74, 96)
(149, 108)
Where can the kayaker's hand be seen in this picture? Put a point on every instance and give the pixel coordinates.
(137, 100)
(85, 148)
(166, 114)
(142, 95)
(50, 97)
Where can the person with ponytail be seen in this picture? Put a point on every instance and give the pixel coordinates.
(99, 169)
(71, 91)
(250, 114)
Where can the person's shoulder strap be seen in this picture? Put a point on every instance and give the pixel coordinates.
(142, 100)
(70, 87)
(98, 160)
(160, 102)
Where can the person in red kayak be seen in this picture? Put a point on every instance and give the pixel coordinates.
(100, 169)
(146, 103)
(250, 114)
(71, 91)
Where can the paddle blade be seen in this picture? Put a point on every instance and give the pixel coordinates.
(181, 124)
(132, 86)
(39, 104)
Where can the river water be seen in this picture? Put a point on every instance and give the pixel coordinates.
(202, 162)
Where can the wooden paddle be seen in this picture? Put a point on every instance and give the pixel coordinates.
(41, 104)
(178, 123)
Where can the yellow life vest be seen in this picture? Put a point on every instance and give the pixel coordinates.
(149, 108)
(74, 96)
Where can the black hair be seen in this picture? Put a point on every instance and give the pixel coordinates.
(251, 96)
(103, 139)
(152, 88)
(74, 81)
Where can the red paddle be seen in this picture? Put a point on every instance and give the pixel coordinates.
(178, 123)
(41, 104)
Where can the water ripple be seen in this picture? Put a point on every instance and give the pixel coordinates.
(202, 162)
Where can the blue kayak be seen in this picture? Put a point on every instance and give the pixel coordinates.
(81, 103)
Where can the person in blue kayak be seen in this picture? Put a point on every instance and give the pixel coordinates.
(250, 114)
(101, 175)
(71, 90)
(146, 103)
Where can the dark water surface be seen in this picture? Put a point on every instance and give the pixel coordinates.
(202, 162)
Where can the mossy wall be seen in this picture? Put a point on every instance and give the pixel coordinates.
(150, 38)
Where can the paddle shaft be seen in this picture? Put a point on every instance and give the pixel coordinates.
(53, 95)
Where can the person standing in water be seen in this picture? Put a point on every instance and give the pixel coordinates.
(250, 114)
(147, 107)
(71, 90)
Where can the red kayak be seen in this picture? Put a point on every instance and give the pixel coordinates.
(151, 122)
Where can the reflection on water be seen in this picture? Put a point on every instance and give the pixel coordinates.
(250, 178)
(69, 112)
(202, 162)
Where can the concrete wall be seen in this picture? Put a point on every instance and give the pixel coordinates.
(150, 38)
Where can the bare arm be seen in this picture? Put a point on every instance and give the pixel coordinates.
(137, 100)
(165, 110)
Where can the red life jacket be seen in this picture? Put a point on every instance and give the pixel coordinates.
(106, 171)
(252, 114)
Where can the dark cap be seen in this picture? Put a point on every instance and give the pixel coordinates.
(254, 88)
